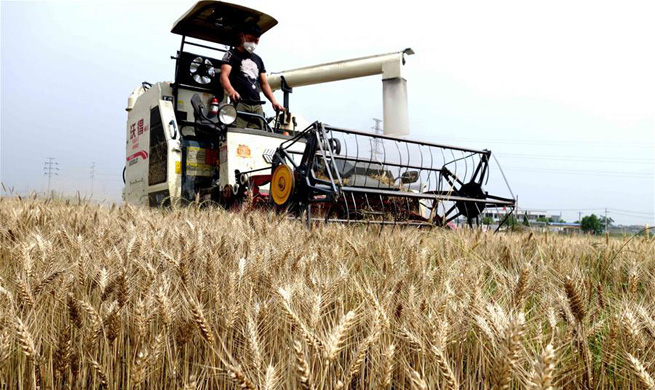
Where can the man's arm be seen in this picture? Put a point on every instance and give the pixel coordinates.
(225, 80)
(268, 92)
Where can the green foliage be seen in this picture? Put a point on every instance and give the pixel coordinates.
(487, 221)
(610, 221)
(591, 224)
(525, 220)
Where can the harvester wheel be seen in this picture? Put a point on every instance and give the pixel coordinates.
(282, 185)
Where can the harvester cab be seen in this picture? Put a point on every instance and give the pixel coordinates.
(182, 145)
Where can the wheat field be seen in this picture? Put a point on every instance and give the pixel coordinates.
(120, 297)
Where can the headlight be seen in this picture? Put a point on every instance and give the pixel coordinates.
(227, 114)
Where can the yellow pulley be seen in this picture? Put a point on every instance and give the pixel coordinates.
(282, 184)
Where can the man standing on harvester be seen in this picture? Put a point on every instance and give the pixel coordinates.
(242, 72)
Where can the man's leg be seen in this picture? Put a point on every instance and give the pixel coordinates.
(241, 122)
(256, 122)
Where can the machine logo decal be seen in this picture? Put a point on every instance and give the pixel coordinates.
(137, 129)
(243, 151)
(141, 153)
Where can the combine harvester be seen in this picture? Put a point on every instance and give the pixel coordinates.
(181, 145)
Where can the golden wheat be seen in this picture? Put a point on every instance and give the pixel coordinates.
(200, 298)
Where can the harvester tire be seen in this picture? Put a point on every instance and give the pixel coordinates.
(282, 185)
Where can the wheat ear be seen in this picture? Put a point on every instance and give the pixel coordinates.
(293, 317)
(270, 378)
(444, 366)
(356, 365)
(253, 337)
(25, 340)
(339, 334)
(202, 323)
(641, 372)
(417, 380)
(522, 286)
(543, 372)
(5, 346)
(101, 374)
(507, 357)
(306, 382)
(576, 302)
(388, 366)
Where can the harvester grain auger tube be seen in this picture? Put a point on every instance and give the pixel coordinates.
(386, 180)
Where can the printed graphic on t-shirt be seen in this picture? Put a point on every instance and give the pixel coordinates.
(249, 68)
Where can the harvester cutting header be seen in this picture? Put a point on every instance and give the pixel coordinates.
(182, 141)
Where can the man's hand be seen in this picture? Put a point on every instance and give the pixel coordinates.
(234, 95)
(278, 107)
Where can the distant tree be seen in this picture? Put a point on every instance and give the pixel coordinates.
(512, 223)
(543, 219)
(525, 220)
(562, 221)
(601, 220)
(591, 224)
(487, 221)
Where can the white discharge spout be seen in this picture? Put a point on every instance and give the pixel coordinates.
(394, 86)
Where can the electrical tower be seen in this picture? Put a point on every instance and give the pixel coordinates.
(50, 168)
(92, 175)
(377, 142)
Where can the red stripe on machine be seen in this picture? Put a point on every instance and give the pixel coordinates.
(141, 153)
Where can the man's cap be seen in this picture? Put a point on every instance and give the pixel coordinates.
(252, 29)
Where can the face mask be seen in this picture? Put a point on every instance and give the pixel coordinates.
(250, 46)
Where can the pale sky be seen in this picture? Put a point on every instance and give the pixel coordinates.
(562, 92)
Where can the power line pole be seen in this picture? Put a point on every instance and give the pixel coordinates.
(93, 173)
(50, 168)
(605, 219)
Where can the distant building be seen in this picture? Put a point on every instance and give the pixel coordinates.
(532, 215)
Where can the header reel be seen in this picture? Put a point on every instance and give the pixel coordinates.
(351, 176)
